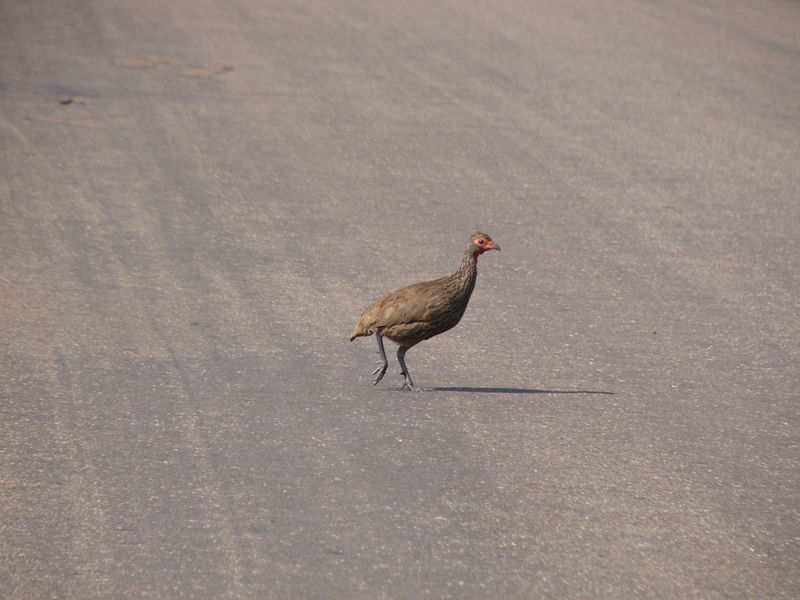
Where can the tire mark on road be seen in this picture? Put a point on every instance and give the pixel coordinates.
(188, 68)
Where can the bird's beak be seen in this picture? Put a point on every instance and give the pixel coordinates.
(494, 246)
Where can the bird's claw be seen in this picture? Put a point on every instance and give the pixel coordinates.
(380, 371)
(410, 385)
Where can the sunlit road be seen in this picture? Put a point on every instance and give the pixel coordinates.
(197, 199)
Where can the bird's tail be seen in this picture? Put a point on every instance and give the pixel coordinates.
(360, 329)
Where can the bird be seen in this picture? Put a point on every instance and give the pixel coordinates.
(419, 311)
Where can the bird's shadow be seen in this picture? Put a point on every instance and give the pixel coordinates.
(511, 390)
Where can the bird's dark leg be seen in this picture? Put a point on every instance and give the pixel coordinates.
(383, 364)
(401, 358)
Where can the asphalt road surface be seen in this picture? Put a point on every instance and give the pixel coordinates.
(199, 198)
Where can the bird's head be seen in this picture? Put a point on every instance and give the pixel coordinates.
(480, 243)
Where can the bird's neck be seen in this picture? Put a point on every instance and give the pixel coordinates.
(467, 271)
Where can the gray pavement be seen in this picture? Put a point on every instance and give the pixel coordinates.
(197, 199)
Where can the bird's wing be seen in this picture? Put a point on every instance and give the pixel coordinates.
(413, 303)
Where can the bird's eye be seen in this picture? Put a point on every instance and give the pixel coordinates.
(480, 242)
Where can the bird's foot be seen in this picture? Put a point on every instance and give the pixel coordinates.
(380, 371)
(414, 388)
(410, 385)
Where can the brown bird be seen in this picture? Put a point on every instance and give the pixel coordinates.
(422, 310)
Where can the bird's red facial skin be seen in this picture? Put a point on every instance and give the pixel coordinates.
(483, 244)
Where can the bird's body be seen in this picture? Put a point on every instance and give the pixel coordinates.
(422, 310)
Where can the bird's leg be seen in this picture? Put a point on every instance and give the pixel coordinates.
(380, 370)
(401, 358)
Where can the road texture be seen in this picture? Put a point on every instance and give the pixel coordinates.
(198, 199)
